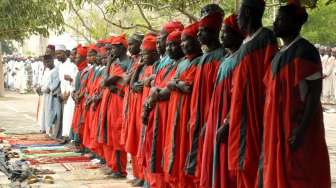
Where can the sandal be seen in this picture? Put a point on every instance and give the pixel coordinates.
(48, 180)
(32, 180)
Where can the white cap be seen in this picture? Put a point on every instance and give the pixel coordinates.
(60, 47)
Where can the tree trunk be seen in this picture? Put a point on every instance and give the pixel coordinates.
(237, 4)
(2, 89)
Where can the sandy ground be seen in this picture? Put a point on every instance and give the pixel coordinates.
(18, 113)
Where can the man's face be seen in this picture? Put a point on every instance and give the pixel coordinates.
(283, 25)
(161, 43)
(72, 55)
(50, 51)
(117, 50)
(204, 35)
(174, 50)
(92, 57)
(228, 37)
(133, 46)
(189, 45)
(49, 63)
(60, 55)
(149, 57)
(79, 59)
(102, 58)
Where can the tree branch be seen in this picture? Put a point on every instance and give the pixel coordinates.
(188, 14)
(119, 25)
(79, 16)
(143, 15)
(78, 32)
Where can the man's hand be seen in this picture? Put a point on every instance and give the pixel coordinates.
(223, 132)
(66, 97)
(296, 139)
(47, 90)
(138, 87)
(172, 84)
(39, 91)
(68, 78)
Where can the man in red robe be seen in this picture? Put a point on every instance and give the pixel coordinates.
(176, 138)
(295, 150)
(131, 127)
(248, 93)
(215, 171)
(205, 77)
(141, 83)
(92, 60)
(96, 103)
(78, 94)
(116, 67)
(156, 106)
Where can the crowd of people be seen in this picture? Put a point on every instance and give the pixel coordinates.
(22, 74)
(328, 58)
(216, 103)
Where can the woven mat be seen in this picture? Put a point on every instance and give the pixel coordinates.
(51, 160)
(49, 155)
(80, 166)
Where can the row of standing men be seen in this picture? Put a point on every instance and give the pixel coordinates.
(194, 112)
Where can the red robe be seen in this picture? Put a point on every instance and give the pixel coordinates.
(246, 113)
(308, 166)
(215, 171)
(78, 117)
(118, 159)
(131, 131)
(205, 78)
(95, 128)
(177, 139)
(88, 113)
(148, 71)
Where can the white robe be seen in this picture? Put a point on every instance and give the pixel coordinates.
(67, 68)
(42, 109)
(327, 81)
(54, 106)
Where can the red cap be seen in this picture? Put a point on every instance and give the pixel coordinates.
(172, 26)
(174, 36)
(92, 47)
(101, 41)
(51, 46)
(82, 51)
(212, 21)
(121, 39)
(149, 43)
(191, 30)
(232, 22)
(102, 50)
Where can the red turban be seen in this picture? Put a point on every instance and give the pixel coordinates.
(52, 47)
(82, 51)
(232, 22)
(92, 47)
(172, 26)
(174, 36)
(191, 30)
(120, 40)
(102, 50)
(101, 41)
(212, 21)
(149, 43)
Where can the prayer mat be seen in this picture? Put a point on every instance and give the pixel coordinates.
(80, 166)
(49, 155)
(31, 152)
(17, 146)
(51, 160)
